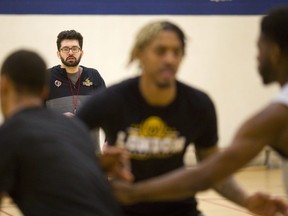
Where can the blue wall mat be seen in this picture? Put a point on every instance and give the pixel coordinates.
(141, 7)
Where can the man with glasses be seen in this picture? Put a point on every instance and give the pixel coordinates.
(70, 82)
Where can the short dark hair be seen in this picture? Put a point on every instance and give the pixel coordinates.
(70, 35)
(27, 70)
(274, 27)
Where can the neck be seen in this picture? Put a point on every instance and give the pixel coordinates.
(16, 104)
(155, 95)
(71, 70)
(282, 72)
(283, 83)
(283, 77)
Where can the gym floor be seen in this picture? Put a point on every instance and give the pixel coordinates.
(258, 178)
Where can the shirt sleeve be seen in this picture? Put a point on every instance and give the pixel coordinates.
(209, 134)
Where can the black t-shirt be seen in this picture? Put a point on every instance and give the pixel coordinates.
(48, 166)
(156, 136)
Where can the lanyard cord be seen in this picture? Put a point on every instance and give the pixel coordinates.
(75, 100)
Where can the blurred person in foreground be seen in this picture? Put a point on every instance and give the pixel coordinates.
(268, 127)
(156, 117)
(47, 161)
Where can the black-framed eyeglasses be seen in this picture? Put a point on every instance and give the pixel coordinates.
(74, 49)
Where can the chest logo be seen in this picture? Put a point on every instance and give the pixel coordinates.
(87, 82)
(151, 138)
(58, 83)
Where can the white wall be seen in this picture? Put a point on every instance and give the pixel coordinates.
(220, 59)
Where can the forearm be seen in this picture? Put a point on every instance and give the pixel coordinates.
(1, 197)
(229, 189)
(178, 184)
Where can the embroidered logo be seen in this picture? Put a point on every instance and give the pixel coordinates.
(58, 83)
(87, 82)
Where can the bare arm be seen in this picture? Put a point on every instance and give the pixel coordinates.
(259, 131)
(256, 133)
(1, 198)
(178, 184)
(263, 129)
(227, 187)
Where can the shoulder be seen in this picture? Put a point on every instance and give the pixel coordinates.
(94, 74)
(126, 84)
(56, 72)
(125, 87)
(117, 92)
(16, 124)
(274, 115)
(54, 68)
(266, 125)
(90, 70)
(194, 95)
(277, 111)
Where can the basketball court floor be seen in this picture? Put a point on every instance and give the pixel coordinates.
(258, 178)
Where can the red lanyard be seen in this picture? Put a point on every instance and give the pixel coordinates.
(75, 100)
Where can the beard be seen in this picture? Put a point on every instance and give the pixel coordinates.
(167, 79)
(69, 63)
(266, 72)
(164, 85)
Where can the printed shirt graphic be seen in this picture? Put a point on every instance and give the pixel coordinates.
(151, 139)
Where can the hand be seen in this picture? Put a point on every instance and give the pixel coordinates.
(116, 163)
(265, 205)
(123, 191)
(69, 114)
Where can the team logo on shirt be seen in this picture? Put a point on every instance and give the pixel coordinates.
(58, 83)
(87, 82)
(152, 138)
